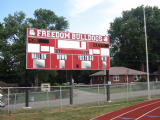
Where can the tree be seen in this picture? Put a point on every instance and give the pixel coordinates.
(13, 49)
(1, 37)
(127, 38)
(46, 19)
(13, 45)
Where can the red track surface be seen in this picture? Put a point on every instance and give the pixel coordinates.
(149, 110)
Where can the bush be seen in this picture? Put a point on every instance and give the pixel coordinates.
(142, 80)
(56, 84)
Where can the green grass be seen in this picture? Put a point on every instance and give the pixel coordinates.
(77, 112)
(72, 113)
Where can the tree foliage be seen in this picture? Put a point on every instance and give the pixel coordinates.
(13, 44)
(46, 19)
(127, 38)
(13, 47)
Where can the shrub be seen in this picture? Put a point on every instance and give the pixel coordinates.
(142, 80)
(56, 84)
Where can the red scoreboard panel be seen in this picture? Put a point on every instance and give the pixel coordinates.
(48, 49)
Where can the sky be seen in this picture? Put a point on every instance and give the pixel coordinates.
(84, 16)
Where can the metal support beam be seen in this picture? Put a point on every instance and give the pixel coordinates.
(71, 89)
(108, 86)
(26, 85)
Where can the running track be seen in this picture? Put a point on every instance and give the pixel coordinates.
(149, 110)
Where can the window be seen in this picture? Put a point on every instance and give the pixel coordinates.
(137, 77)
(98, 77)
(101, 77)
(93, 78)
(116, 78)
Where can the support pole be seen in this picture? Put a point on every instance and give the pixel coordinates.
(26, 85)
(8, 100)
(108, 87)
(71, 89)
(149, 97)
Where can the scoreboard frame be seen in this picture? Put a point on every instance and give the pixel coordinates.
(58, 50)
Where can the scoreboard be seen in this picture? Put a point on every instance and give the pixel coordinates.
(49, 49)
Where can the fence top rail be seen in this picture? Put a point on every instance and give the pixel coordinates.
(32, 87)
(145, 82)
(93, 85)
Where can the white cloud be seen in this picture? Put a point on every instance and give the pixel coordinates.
(119, 6)
(79, 6)
(104, 26)
(104, 13)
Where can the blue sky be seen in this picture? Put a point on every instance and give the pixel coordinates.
(84, 16)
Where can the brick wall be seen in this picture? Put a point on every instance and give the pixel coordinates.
(122, 79)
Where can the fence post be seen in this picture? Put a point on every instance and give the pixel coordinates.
(78, 96)
(130, 89)
(105, 93)
(153, 88)
(8, 101)
(47, 99)
(98, 95)
(127, 92)
(61, 96)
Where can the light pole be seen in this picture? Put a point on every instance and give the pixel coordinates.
(146, 54)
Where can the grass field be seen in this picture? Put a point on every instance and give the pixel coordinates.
(78, 112)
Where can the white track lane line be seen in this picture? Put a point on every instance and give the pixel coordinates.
(134, 110)
(147, 113)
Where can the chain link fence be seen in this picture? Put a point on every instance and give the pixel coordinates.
(86, 95)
